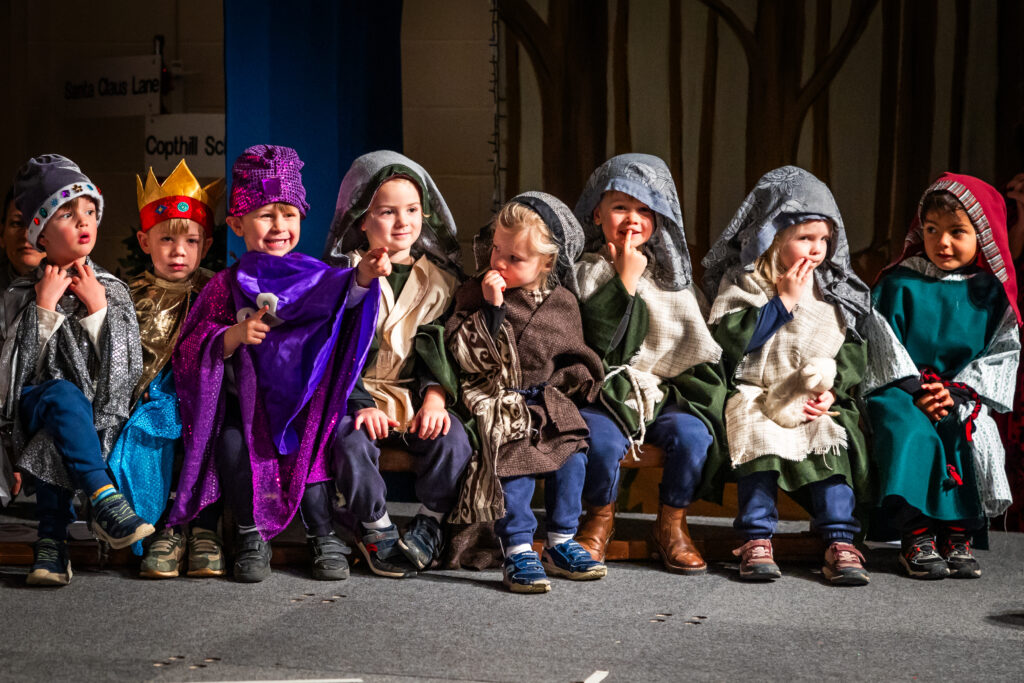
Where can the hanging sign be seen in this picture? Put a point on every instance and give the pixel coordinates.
(196, 138)
(119, 86)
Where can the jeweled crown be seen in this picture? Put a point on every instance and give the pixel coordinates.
(180, 183)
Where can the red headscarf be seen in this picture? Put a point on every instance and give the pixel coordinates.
(987, 211)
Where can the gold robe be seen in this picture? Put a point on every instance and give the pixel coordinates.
(161, 307)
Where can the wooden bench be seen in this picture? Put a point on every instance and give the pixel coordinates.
(630, 541)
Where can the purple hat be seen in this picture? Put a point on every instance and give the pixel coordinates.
(265, 174)
(44, 184)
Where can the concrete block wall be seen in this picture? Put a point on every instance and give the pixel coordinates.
(41, 38)
(447, 109)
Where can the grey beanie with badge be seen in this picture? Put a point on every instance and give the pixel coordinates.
(44, 184)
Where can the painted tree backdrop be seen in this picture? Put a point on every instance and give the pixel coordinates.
(876, 97)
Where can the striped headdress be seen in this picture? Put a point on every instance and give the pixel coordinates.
(987, 210)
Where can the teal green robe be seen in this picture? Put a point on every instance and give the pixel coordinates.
(944, 325)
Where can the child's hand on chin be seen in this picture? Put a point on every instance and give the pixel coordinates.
(790, 284)
(630, 262)
(87, 287)
(51, 287)
(934, 404)
(493, 286)
(374, 265)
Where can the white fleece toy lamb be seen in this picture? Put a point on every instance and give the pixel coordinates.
(785, 401)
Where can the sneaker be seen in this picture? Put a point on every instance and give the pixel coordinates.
(252, 558)
(919, 557)
(383, 554)
(844, 566)
(329, 561)
(572, 561)
(757, 563)
(114, 522)
(956, 550)
(422, 541)
(163, 556)
(50, 564)
(523, 573)
(205, 554)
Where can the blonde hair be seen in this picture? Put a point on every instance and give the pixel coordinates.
(518, 218)
(180, 226)
(769, 264)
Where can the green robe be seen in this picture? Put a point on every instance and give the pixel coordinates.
(733, 333)
(700, 390)
(944, 325)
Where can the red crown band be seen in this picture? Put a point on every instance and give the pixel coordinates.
(176, 207)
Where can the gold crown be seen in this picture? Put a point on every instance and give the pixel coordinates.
(181, 183)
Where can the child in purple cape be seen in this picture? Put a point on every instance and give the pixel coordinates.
(265, 363)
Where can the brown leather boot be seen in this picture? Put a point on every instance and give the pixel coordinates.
(672, 540)
(596, 530)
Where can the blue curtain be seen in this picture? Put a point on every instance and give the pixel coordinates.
(323, 77)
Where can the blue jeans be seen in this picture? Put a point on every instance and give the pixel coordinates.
(832, 505)
(62, 410)
(562, 489)
(682, 436)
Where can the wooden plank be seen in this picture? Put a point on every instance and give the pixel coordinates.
(650, 457)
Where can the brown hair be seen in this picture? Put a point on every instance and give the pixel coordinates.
(72, 204)
(941, 202)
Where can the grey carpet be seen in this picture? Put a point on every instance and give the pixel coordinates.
(639, 624)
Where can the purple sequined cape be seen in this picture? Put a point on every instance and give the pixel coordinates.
(292, 388)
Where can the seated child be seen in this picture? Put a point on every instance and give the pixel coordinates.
(21, 259)
(944, 351)
(387, 201)
(71, 344)
(177, 220)
(517, 337)
(790, 299)
(641, 313)
(265, 363)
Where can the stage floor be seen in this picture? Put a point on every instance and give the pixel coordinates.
(638, 624)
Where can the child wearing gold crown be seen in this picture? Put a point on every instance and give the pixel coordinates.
(177, 220)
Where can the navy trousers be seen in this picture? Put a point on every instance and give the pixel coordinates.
(683, 437)
(439, 464)
(234, 468)
(903, 516)
(832, 505)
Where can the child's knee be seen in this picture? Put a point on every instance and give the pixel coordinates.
(62, 395)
